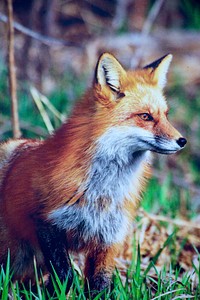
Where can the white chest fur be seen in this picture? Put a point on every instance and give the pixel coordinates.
(114, 174)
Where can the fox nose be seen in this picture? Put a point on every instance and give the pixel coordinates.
(181, 142)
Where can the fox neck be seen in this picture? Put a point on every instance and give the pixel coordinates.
(66, 156)
(117, 167)
(75, 141)
(101, 164)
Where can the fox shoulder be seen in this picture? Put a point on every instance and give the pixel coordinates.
(7, 148)
(6, 151)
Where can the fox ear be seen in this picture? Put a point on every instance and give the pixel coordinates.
(159, 69)
(109, 72)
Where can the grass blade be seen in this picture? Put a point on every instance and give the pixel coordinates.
(37, 99)
(6, 280)
(155, 258)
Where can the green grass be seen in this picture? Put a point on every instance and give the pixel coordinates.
(138, 285)
(166, 198)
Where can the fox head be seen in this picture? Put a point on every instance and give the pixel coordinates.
(133, 106)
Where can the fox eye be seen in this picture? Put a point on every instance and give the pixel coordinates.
(146, 117)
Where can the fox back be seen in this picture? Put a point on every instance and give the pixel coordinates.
(79, 189)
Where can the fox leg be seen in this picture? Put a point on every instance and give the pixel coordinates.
(53, 244)
(99, 268)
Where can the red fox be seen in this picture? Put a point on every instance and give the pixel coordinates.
(78, 191)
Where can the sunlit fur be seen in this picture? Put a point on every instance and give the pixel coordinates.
(88, 177)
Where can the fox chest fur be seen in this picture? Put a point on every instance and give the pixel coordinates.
(101, 215)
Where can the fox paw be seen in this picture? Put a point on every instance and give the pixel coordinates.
(99, 283)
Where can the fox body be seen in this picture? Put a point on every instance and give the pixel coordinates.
(79, 189)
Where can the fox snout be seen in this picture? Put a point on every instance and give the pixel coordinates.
(168, 137)
(181, 142)
(163, 144)
(168, 146)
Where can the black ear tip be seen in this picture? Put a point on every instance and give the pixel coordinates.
(156, 63)
(181, 142)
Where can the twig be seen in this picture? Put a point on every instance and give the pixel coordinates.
(6, 127)
(12, 74)
(172, 292)
(49, 41)
(137, 61)
(177, 222)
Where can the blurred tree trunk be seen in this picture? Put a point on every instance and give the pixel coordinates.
(24, 12)
(120, 14)
(44, 16)
(137, 14)
(40, 17)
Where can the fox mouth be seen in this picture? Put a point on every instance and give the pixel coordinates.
(158, 146)
(163, 151)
